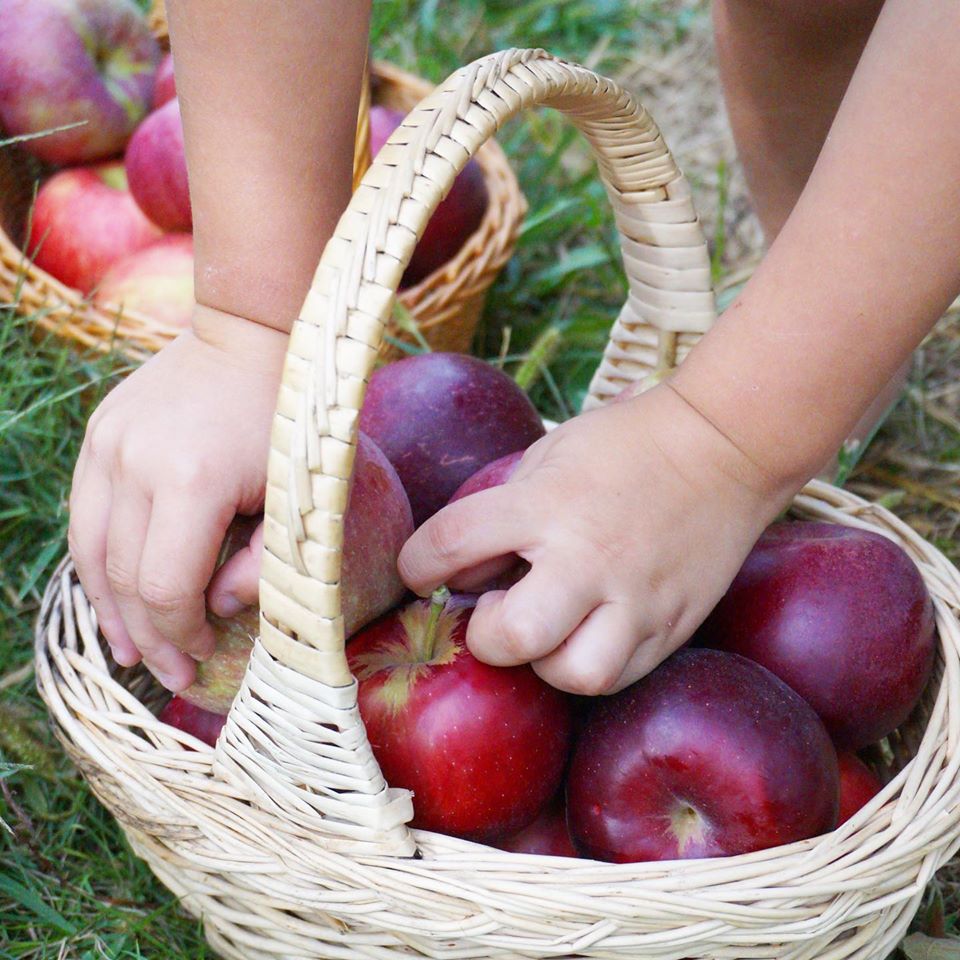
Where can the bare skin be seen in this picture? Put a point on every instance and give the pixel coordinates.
(634, 517)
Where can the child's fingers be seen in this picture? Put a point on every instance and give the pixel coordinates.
(529, 620)
(87, 538)
(477, 528)
(129, 520)
(237, 583)
(476, 579)
(593, 658)
(648, 655)
(178, 559)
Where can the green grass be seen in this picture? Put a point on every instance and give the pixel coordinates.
(69, 885)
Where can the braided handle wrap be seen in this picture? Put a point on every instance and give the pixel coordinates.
(294, 735)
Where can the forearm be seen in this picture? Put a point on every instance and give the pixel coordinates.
(269, 94)
(864, 266)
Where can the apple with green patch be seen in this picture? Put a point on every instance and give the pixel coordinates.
(85, 62)
(482, 748)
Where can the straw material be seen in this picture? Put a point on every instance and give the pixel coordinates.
(285, 837)
(445, 306)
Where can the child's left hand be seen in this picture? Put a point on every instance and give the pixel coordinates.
(635, 518)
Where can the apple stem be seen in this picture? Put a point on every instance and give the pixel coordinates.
(438, 601)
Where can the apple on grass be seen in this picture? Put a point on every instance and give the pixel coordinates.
(709, 755)
(156, 281)
(482, 748)
(157, 168)
(459, 214)
(376, 525)
(840, 614)
(440, 417)
(85, 220)
(86, 62)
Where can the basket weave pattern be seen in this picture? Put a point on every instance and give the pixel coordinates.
(285, 837)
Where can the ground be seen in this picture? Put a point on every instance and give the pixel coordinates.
(69, 887)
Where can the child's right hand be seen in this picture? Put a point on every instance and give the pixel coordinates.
(169, 457)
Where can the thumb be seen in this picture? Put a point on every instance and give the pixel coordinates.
(236, 584)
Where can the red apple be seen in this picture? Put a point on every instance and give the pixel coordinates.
(202, 724)
(376, 525)
(709, 755)
(90, 62)
(459, 214)
(156, 281)
(440, 417)
(547, 836)
(491, 475)
(840, 614)
(482, 748)
(157, 169)
(164, 88)
(83, 222)
(858, 784)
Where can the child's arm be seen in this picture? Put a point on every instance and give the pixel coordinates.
(635, 517)
(269, 96)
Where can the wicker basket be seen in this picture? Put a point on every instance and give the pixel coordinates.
(285, 837)
(446, 305)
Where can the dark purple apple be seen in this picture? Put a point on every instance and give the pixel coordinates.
(482, 748)
(709, 755)
(84, 62)
(157, 169)
(492, 475)
(858, 784)
(460, 213)
(840, 614)
(440, 417)
(547, 836)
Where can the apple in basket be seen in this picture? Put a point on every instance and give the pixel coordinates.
(83, 221)
(200, 723)
(709, 755)
(84, 62)
(840, 614)
(156, 281)
(460, 213)
(547, 836)
(858, 784)
(165, 87)
(482, 748)
(376, 525)
(157, 168)
(440, 417)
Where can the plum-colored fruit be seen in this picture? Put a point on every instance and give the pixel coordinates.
(376, 525)
(492, 475)
(84, 221)
(459, 215)
(157, 168)
(840, 614)
(84, 62)
(156, 281)
(709, 755)
(165, 88)
(547, 836)
(482, 748)
(440, 417)
(202, 724)
(858, 784)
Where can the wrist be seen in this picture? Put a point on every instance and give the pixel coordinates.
(239, 339)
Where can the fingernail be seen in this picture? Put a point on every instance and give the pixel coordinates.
(173, 683)
(226, 605)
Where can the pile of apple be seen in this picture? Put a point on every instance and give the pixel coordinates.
(745, 739)
(113, 218)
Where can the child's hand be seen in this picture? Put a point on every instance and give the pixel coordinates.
(168, 458)
(635, 519)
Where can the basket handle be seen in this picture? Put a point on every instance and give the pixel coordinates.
(294, 735)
